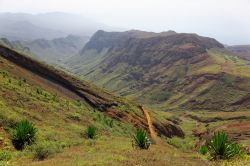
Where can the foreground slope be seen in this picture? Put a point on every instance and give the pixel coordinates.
(166, 70)
(57, 80)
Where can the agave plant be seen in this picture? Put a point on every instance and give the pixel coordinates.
(24, 134)
(141, 139)
(220, 147)
(91, 132)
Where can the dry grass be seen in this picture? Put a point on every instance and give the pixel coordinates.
(118, 151)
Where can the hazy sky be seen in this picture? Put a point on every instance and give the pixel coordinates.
(226, 20)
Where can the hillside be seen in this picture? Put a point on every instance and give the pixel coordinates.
(17, 45)
(62, 106)
(242, 51)
(57, 50)
(166, 72)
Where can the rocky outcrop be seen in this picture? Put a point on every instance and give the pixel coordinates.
(169, 130)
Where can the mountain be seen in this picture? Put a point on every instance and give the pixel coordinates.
(62, 106)
(23, 26)
(241, 50)
(15, 45)
(56, 50)
(167, 71)
(24, 30)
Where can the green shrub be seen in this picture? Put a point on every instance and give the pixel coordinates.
(91, 132)
(141, 139)
(42, 153)
(109, 122)
(220, 147)
(24, 134)
(5, 155)
(45, 150)
(203, 149)
(20, 82)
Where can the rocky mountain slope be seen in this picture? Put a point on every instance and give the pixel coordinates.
(166, 70)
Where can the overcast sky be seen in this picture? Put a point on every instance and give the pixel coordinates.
(226, 20)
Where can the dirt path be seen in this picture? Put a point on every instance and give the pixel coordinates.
(152, 132)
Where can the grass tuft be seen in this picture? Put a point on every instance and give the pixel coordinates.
(91, 132)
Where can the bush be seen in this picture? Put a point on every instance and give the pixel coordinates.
(24, 134)
(5, 155)
(42, 153)
(203, 149)
(91, 132)
(141, 139)
(220, 147)
(46, 149)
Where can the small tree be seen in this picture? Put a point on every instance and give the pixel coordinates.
(24, 134)
(141, 139)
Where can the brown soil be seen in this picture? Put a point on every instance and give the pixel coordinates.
(237, 131)
(150, 126)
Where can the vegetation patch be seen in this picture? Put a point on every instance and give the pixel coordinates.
(220, 147)
(24, 134)
(5, 155)
(185, 144)
(44, 150)
(91, 132)
(141, 139)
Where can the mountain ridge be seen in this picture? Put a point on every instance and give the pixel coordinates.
(168, 71)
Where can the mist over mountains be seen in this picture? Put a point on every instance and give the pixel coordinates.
(23, 26)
